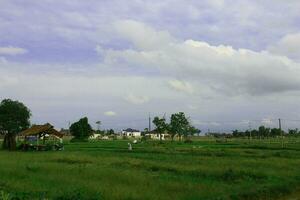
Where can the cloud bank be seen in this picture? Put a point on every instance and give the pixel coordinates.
(213, 59)
(221, 69)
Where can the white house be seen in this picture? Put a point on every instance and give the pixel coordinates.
(95, 136)
(156, 136)
(129, 132)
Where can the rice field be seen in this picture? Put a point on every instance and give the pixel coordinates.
(203, 169)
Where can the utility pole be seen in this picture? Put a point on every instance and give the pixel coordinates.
(149, 122)
(69, 125)
(250, 130)
(98, 125)
(281, 133)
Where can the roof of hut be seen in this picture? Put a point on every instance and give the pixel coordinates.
(38, 129)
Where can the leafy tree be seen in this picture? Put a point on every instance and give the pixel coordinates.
(263, 131)
(275, 132)
(192, 130)
(254, 133)
(82, 129)
(235, 133)
(247, 133)
(161, 126)
(146, 131)
(110, 132)
(293, 132)
(180, 125)
(14, 117)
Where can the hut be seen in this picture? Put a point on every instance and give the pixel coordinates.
(38, 137)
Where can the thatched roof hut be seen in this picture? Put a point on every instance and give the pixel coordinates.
(38, 130)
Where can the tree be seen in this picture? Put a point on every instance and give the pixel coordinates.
(263, 131)
(161, 126)
(81, 130)
(275, 132)
(180, 125)
(192, 130)
(110, 132)
(14, 117)
(235, 133)
(247, 134)
(293, 132)
(146, 131)
(254, 133)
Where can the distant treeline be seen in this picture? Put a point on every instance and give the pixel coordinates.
(261, 132)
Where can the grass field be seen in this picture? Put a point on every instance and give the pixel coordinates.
(199, 170)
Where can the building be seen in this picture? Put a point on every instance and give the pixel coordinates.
(41, 131)
(156, 136)
(129, 132)
(41, 137)
(95, 136)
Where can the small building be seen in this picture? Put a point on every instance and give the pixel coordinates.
(156, 136)
(37, 136)
(129, 132)
(95, 136)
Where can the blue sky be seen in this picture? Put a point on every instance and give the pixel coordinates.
(116, 61)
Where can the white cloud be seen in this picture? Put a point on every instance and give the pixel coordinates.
(221, 69)
(289, 46)
(134, 99)
(143, 37)
(199, 122)
(11, 51)
(8, 81)
(110, 113)
(181, 86)
(267, 121)
(99, 50)
(192, 107)
(3, 60)
(217, 3)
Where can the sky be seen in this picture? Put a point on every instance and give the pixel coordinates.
(227, 64)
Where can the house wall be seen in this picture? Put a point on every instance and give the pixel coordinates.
(157, 136)
(131, 134)
(94, 136)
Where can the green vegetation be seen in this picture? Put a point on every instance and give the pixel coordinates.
(81, 130)
(161, 126)
(179, 125)
(14, 117)
(206, 169)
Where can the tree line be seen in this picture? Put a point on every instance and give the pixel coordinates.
(262, 132)
(15, 117)
(179, 125)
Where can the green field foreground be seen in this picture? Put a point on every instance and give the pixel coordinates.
(172, 170)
